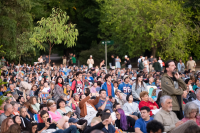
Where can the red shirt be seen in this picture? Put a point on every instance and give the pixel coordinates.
(109, 88)
(148, 104)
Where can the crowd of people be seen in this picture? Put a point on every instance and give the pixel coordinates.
(157, 97)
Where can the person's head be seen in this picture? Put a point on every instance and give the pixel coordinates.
(83, 96)
(17, 119)
(95, 121)
(33, 100)
(102, 94)
(14, 128)
(15, 106)
(95, 84)
(44, 100)
(33, 127)
(59, 80)
(180, 61)
(122, 117)
(11, 87)
(44, 115)
(61, 103)
(90, 56)
(154, 127)
(21, 99)
(192, 129)
(126, 79)
(87, 91)
(112, 56)
(145, 112)
(8, 108)
(76, 97)
(116, 106)
(43, 107)
(144, 95)
(129, 98)
(139, 78)
(23, 112)
(6, 124)
(108, 78)
(51, 105)
(170, 66)
(79, 75)
(190, 57)
(191, 110)
(106, 116)
(166, 103)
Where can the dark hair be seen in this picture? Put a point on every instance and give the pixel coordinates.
(145, 108)
(88, 92)
(99, 113)
(98, 77)
(187, 80)
(167, 64)
(58, 78)
(43, 112)
(106, 77)
(78, 73)
(105, 116)
(99, 83)
(101, 91)
(127, 97)
(123, 120)
(15, 128)
(14, 117)
(136, 82)
(192, 129)
(154, 126)
(115, 105)
(106, 110)
(42, 106)
(59, 101)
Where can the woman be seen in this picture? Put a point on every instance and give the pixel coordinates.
(138, 87)
(131, 107)
(87, 107)
(181, 66)
(62, 108)
(52, 86)
(146, 63)
(33, 90)
(123, 122)
(30, 110)
(147, 101)
(161, 63)
(58, 90)
(5, 125)
(15, 128)
(102, 65)
(73, 103)
(15, 108)
(34, 127)
(34, 104)
(191, 112)
(117, 61)
(120, 97)
(17, 119)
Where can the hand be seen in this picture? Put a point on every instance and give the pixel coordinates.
(179, 123)
(177, 76)
(52, 121)
(97, 94)
(47, 124)
(106, 122)
(107, 98)
(134, 117)
(151, 100)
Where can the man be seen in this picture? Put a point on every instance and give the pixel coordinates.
(44, 100)
(14, 91)
(108, 86)
(74, 59)
(151, 63)
(104, 102)
(40, 60)
(8, 110)
(47, 59)
(3, 61)
(64, 60)
(125, 87)
(155, 127)
(90, 62)
(173, 86)
(140, 124)
(21, 100)
(191, 64)
(139, 59)
(197, 101)
(169, 119)
(52, 125)
(77, 85)
(112, 62)
(156, 65)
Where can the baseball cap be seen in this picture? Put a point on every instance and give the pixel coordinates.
(72, 120)
(126, 76)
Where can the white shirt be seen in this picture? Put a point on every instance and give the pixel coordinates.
(46, 89)
(160, 61)
(140, 59)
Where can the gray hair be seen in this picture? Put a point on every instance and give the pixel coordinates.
(75, 95)
(11, 85)
(155, 58)
(189, 107)
(164, 98)
(7, 105)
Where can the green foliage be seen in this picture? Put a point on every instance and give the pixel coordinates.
(141, 25)
(54, 30)
(2, 98)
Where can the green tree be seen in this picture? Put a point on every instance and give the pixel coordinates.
(160, 26)
(54, 30)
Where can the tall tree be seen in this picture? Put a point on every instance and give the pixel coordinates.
(54, 30)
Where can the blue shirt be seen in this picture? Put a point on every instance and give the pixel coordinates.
(140, 123)
(108, 105)
(125, 88)
(111, 129)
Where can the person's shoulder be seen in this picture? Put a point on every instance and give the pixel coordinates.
(139, 120)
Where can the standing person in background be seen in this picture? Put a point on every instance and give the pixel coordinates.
(146, 64)
(191, 64)
(113, 61)
(126, 65)
(181, 66)
(151, 63)
(90, 62)
(129, 63)
(160, 61)
(108, 86)
(156, 65)
(173, 86)
(117, 61)
(47, 59)
(74, 59)
(64, 60)
(3, 61)
(139, 60)
(40, 60)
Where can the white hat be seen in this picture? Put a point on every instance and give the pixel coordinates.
(126, 56)
(90, 55)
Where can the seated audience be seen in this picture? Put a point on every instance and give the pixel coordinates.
(25, 118)
(169, 119)
(109, 128)
(6, 124)
(120, 97)
(15, 107)
(192, 129)
(155, 127)
(34, 104)
(29, 108)
(8, 110)
(34, 127)
(123, 122)
(62, 108)
(14, 128)
(131, 107)
(147, 101)
(140, 124)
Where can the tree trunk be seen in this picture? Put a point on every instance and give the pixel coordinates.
(19, 59)
(154, 49)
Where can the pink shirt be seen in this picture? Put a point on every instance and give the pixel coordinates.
(93, 90)
(55, 116)
(197, 120)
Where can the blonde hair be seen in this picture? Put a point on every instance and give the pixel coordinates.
(142, 94)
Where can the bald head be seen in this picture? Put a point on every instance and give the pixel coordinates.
(8, 108)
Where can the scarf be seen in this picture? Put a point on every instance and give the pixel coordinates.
(60, 84)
